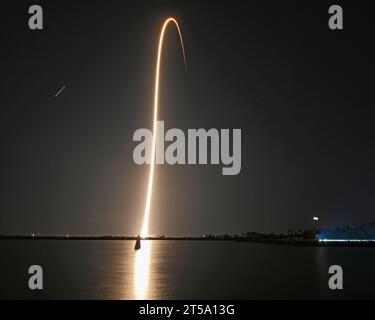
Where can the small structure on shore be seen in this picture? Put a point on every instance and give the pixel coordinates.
(137, 243)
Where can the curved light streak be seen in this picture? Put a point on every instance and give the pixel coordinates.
(146, 218)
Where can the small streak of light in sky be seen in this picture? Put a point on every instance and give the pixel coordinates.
(60, 91)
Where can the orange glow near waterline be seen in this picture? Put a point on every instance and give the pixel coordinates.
(146, 218)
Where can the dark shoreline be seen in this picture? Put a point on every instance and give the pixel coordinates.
(289, 242)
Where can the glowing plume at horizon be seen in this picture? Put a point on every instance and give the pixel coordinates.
(146, 218)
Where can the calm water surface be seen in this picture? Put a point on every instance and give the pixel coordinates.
(182, 270)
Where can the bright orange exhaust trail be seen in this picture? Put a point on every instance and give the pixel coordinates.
(144, 230)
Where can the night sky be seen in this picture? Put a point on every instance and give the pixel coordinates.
(301, 93)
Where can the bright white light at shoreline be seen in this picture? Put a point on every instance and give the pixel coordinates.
(346, 240)
(315, 218)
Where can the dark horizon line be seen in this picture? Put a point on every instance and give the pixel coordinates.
(290, 241)
(300, 234)
(131, 237)
(289, 232)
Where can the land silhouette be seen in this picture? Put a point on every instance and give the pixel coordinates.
(363, 235)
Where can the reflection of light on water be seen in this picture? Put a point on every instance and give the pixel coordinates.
(142, 270)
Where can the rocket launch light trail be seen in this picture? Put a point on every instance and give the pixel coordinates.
(145, 225)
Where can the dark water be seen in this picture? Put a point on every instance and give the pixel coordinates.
(182, 270)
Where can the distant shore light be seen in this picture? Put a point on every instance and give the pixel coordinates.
(315, 218)
(346, 240)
